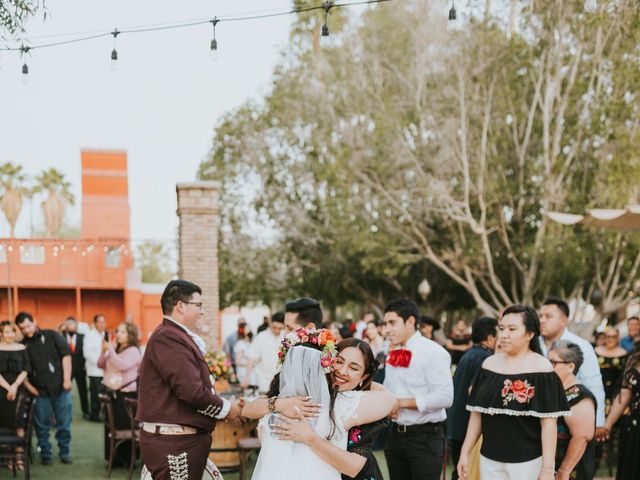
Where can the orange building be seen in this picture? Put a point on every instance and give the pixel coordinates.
(53, 278)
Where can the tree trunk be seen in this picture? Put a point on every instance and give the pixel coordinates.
(53, 209)
(11, 206)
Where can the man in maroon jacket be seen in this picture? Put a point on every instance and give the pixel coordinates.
(176, 403)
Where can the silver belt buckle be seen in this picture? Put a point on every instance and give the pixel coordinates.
(402, 428)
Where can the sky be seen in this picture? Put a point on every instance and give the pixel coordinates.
(161, 105)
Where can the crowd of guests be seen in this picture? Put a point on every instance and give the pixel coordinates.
(39, 365)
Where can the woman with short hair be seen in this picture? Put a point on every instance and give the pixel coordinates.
(575, 450)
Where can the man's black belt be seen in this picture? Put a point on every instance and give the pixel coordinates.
(422, 427)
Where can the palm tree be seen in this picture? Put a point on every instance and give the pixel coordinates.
(12, 184)
(58, 197)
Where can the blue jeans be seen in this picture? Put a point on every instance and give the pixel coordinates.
(60, 406)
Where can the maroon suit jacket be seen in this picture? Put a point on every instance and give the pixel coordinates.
(175, 385)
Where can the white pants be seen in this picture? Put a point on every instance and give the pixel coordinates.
(492, 470)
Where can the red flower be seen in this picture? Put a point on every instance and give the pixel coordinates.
(521, 397)
(504, 391)
(531, 391)
(399, 358)
(518, 387)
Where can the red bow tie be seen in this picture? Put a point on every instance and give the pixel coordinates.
(399, 358)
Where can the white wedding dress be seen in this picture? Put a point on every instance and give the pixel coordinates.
(288, 460)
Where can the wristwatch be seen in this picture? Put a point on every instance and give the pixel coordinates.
(271, 404)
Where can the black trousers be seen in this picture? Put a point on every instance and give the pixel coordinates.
(170, 457)
(415, 454)
(81, 382)
(95, 388)
(455, 446)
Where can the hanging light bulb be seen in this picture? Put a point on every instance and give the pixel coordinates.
(213, 54)
(114, 52)
(25, 74)
(25, 68)
(590, 6)
(453, 22)
(326, 6)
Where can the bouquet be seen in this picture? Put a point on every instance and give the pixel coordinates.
(220, 366)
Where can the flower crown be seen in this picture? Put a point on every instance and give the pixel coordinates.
(322, 338)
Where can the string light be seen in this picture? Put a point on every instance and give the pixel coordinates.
(590, 6)
(114, 52)
(25, 68)
(326, 6)
(213, 55)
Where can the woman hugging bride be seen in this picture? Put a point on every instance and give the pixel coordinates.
(320, 393)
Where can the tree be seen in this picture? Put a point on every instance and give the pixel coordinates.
(59, 195)
(14, 13)
(398, 156)
(154, 261)
(12, 180)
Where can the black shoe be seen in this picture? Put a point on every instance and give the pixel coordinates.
(66, 460)
(46, 461)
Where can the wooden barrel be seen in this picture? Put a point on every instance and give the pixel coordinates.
(226, 435)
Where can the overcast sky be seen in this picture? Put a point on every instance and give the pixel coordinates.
(160, 106)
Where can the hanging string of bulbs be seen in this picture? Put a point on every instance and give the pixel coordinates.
(326, 7)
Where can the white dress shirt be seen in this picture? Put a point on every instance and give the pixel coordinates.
(427, 379)
(589, 373)
(264, 353)
(92, 349)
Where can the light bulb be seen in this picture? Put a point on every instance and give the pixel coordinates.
(325, 30)
(213, 55)
(453, 24)
(25, 74)
(114, 60)
(590, 6)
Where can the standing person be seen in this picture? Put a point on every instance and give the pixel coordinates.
(14, 368)
(633, 330)
(176, 400)
(240, 351)
(554, 318)
(262, 355)
(629, 396)
(575, 450)
(374, 339)
(483, 336)
(514, 402)
(418, 373)
(612, 358)
(230, 344)
(120, 359)
(458, 342)
(264, 325)
(428, 327)
(50, 359)
(302, 312)
(75, 341)
(92, 349)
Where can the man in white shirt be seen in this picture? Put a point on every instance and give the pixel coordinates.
(92, 349)
(263, 354)
(554, 318)
(418, 372)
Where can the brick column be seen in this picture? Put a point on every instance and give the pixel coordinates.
(198, 248)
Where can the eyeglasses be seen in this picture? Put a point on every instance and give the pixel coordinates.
(197, 304)
(556, 362)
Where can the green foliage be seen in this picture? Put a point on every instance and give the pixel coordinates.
(154, 261)
(14, 14)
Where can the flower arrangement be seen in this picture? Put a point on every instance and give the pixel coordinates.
(220, 366)
(323, 338)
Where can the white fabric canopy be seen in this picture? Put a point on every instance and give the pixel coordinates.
(617, 219)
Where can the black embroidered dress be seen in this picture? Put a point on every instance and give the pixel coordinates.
(512, 406)
(585, 468)
(12, 363)
(361, 441)
(629, 456)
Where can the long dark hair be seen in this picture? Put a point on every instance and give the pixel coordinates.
(370, 363)
(531, 323)
(274, 389)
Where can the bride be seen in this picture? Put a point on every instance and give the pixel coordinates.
(308, 357)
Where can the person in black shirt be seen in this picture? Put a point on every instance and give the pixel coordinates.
(75, 341)
(50, 379)
(483, 335)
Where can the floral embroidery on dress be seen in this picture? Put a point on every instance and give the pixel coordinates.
(572, 392)
(355, 434)
(519, 390)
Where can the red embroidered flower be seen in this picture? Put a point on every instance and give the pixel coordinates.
(399, 358)
(518, 390)
(518, 386)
